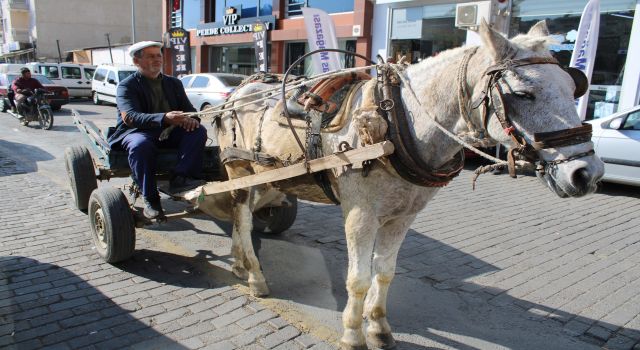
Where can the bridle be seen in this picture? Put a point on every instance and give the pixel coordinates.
(493, 96)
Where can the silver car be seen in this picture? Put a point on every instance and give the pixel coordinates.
(210, 89)
(617, 142)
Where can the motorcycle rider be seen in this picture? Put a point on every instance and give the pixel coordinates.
(24, 87)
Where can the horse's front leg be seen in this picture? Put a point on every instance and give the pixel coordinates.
(360, 227)
(246, 264)
(388, 242)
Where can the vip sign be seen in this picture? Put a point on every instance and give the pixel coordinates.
(181, 51)
(232, 23)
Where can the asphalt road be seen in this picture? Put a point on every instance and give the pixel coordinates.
(479, 270)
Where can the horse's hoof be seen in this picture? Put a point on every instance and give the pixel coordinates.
(345, 346)
(381, 340)
(240, 272)
(259, 290)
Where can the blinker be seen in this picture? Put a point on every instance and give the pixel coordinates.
(580, 80)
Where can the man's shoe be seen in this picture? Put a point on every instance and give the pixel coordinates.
(152, 209)
(181, 183)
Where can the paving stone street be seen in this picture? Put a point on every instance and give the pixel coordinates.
(507, 266)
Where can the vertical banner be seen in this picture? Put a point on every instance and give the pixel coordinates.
(180, 51)
(321, 35)
(260, 44)
(584, 53)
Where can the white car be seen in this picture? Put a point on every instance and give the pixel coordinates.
(617, 142)
(210, 89)
(75, 77)
(106, 79)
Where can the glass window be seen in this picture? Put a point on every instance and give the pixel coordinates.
(632, 122)
(50, 72)
(123, 74)
(111, 77)
(421, 32)
(200, 82)
(563, 19)
(185, 81)
(42, 79)
(100, 74)
(332, 6)
(229, 80)
(266, 7)
(233, 59)
(246, 8)
(88, 73)
(191, 13)
(71, 73)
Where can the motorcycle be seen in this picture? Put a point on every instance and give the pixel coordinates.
(37, 109)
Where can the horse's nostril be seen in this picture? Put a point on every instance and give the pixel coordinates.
(581, 179)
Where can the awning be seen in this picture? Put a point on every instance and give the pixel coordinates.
(17, 53)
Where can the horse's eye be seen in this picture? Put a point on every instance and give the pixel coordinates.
(525, 95)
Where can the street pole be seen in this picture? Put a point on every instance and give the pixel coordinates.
(59, 53)
(109, 43)
(133, 21)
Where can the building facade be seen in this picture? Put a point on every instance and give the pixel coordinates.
(419, 29)
(47, 30)
(218, 46)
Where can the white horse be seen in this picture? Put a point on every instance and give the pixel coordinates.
(379, 208)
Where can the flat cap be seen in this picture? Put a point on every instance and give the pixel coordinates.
(141, 45)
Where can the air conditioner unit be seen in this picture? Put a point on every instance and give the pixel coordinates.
(469, 15)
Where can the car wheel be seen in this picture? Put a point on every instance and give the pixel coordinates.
(4, 105)
(96, 99)
(205, 105)
(56, 107)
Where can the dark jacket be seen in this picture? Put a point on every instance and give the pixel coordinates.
(134, 101)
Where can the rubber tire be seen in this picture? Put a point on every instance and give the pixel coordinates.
(82, 177)
(276, 220)
(110, 214)
(5, 107)
(96, 99)
(49, 125)
(56, 107)
(204, 105)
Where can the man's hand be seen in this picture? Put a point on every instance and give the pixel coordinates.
(180, 119)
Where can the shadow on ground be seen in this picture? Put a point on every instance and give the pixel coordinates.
(23, 158)
(47, 306)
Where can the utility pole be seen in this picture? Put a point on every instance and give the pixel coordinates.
(109, 43)
(59, 53)
(133, 21)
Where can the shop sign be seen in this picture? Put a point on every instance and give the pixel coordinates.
(181, 51)
(260, 43)
(321, 34)
(233, 24)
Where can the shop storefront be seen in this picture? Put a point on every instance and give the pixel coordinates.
(420, 29)
(221, 43)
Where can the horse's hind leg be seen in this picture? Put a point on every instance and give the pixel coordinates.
(360, 227)
(388, 241)
(246, 263)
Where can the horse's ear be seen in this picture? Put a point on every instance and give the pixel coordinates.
(539, 29)
(498, 46)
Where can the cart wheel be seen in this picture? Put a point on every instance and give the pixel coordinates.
(276, 219)
(112, 224)
(82, 177)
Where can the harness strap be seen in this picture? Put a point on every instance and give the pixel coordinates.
(405, 160)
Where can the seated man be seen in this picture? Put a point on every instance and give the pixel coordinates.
(24, 86)
(148, 102)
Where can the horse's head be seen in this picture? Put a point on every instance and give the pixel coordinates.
(531, 108)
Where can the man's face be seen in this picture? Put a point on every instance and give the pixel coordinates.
(150, 64)
(26, 75)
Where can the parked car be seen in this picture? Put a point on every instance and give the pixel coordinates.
(106, 79)
(210, 89)
(617, 143)
(73, 76)
(60, 93)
